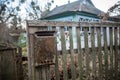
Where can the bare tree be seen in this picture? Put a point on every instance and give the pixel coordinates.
(115, 9)
(112, 11)
(7, 11)
(34, 9)
(10, 14)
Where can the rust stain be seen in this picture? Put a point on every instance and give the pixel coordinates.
(45, 49)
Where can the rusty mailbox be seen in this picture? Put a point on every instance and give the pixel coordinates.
(44, 47)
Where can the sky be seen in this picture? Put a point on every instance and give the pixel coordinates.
(103, 5)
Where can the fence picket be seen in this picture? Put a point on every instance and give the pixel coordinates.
(79, 54)
(93, 51)
(86, 52)
(73, 72)
(119, 53)
(116, 53)
(57, 73)
(111, 53)
(64, 54)
(0, 67)
(99, 53)
(105, 53)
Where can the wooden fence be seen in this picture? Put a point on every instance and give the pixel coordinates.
(101, 62)
(11, 63)
(8, 64)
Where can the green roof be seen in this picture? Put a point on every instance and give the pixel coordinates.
(80, 7)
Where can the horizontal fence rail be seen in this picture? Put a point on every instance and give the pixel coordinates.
(43, 23)
(85, 51)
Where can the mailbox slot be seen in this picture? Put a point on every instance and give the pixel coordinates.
(44, 47)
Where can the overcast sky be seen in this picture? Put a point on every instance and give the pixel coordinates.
(103, 5)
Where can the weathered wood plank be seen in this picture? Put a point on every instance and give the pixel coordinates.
(19, 63)
(14, 62)
(0, 66)
(93, 51)
(99, 53)
(105, 53)
(79, 53)
(119, 51)
(111, 53)
(43, 72)
(64, 55)
(57, 73)
(42, 23)
(29, 55)
(8, 65)
(37, 75)
(86, 52)
(72, 54)
(116, 53)
(40, 73)
(47, 71)
(33, 29)
(32, 57)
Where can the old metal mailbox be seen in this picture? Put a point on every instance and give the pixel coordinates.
(44, 47)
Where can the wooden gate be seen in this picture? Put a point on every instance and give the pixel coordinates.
(10, 63)
(86, 51)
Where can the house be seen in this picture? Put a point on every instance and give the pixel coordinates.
(78, 11)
